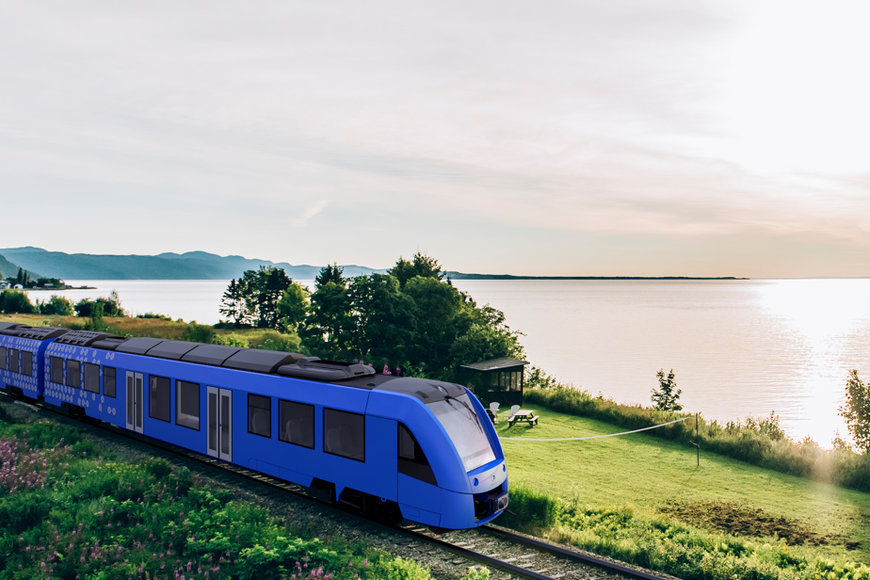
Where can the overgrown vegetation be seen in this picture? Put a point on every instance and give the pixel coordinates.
(666, 545)
(759, 441)
(17, 302)
(68, 509)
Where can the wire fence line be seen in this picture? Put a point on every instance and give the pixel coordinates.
(598, 436)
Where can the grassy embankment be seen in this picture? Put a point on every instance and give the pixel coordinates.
(642, 499)
(163, 327)
(69, 508)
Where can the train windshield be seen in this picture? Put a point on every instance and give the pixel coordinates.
(462, 424)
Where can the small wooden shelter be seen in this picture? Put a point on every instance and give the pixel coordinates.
(498, 380)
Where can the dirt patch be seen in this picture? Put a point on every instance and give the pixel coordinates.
(739, 520)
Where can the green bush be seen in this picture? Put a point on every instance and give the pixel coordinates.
(274, 340)
(56, 305)
(198, 333)
(15, 302)
(98, 517)
(529, 511)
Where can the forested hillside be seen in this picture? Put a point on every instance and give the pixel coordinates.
(166, 266)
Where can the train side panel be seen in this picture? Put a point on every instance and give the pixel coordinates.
(297, 430)
(19, 367)
(254, 447)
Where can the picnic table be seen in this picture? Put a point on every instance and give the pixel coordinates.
(523, 415)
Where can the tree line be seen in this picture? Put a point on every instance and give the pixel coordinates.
(412, 317)
(17, 302)
(25, 280)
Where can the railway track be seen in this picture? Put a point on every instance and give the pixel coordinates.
(524, 556)
(507, 553)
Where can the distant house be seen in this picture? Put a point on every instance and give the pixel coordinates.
(4, 284)
(498, 380)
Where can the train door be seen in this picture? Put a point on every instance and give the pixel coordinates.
(220, 423)
(135, 399)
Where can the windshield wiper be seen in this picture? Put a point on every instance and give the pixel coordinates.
(468, 408)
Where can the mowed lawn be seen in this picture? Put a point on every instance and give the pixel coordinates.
(657, 476)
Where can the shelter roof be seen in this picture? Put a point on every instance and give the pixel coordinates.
(496, 364)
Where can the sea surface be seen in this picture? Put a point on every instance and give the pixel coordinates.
(738, 348)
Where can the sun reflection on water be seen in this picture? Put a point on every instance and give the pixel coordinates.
(823, 318)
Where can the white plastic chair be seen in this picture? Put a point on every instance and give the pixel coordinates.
(514, 409)
(493, 412)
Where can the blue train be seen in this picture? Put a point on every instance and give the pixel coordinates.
(391, 447)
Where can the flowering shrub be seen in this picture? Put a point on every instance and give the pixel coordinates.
(68, 509)
(22, 467)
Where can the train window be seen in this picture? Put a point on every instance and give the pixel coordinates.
(344, 434)
(27, 363)
(55, 370)
(13, 360)
(412, 460)
(260, 415)
(160, 403)
(92, 378)
(2, 357)
(73, 374)
(187, 410)
(297, 423)
(109, 381)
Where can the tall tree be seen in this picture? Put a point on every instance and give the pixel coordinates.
(292, 307)
(437, 319)
(383, 318)
(421, 265)
(330, 273)
(327, 330)
(856, 411)
(233, 305)
(263, 288)
(410, 317)
(667, 396)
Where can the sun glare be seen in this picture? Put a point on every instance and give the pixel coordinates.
(822, 317)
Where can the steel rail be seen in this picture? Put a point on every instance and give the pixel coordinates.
(413, 530)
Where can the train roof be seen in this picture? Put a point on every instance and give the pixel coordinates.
(287, 364)
(25, 331)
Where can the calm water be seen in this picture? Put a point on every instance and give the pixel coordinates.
(738, 348)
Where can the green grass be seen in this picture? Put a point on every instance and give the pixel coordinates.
(171, 329)
(68, 508)
(658, 480)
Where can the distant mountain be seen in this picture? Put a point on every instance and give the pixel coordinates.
(167, 266)
(206, 266)
(8, 269)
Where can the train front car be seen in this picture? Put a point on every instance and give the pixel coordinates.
(450, 465)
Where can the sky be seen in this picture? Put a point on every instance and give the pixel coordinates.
(611, 137)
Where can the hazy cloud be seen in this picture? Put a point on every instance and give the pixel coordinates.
(499, 136)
